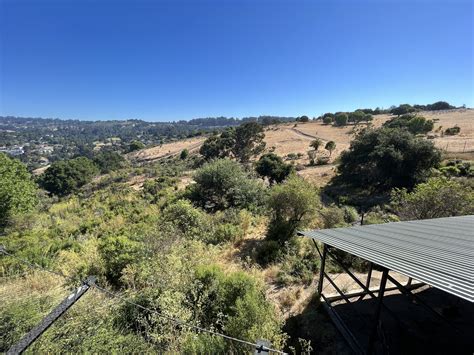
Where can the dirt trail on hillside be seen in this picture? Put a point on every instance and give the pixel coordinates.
(306, 135)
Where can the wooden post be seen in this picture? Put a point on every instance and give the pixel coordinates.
(321, 270)
(373, 334)
(47, 321)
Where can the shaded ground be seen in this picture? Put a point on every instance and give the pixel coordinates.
(418, 331)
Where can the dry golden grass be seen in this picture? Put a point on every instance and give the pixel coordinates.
(166, 150)
(294, 138)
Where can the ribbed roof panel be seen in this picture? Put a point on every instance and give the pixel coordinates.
(438, 252)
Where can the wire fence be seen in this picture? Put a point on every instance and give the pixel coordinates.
(179, 322)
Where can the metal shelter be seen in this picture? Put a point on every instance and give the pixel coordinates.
(436, 252)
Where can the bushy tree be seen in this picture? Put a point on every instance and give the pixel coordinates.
(340, 119)
(330, 146)
(108, 161)
(248, 141)
(184, 154)
(17, 189)
(223, 183)
(438, 197)
(413, 123)
(328, 119)
(315, 144)
(218, 146)
(383, 159)
(290, 203)
(135, 145)
(356, 116)
(402, 110)
(303, 118)
(66, 176)
(273, 167)
(439, 105)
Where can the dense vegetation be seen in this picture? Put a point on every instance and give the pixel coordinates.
(57, 139)
(210, 252)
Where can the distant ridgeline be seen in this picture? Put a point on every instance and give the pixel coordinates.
(14, 130)
(39, 141)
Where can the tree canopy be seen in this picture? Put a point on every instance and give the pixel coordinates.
(436, 198)
(248, 141)
(340, 119)
(222, 184)
(383, 159)
(273, 167)
(218, 146)
(413, 123)
(402, 110)
(66, 176)
(17, 189)
(290, 204)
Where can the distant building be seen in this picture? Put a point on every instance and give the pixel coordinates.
(12, 150)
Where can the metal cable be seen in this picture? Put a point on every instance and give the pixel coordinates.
(171, 319)
(35, 266)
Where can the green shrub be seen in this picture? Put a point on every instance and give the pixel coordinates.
(291, 204)
(184, 154)
(224, 184)
(452, 131)
(350, 214)
(268, 251)
(66, 176)
(226, 233)
(451, 198)
(118, 252)
(272, 166)
(18, 192)
(340, 119)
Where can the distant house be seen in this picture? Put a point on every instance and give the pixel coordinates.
(16, 150)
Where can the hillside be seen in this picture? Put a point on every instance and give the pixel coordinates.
(294, 138)
(210, 243)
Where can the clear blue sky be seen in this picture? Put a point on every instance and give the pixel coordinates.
(169, 60)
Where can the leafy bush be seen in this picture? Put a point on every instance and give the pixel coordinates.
(340, 119)
(135, 145)
(184, 154)
(66, 176)
(118, 252)
(290, 203)
(452, 131)
(224, 184)
(218, 146)
(108, 161)
(413, 123)
(350, 214)
(382, 159)
(18, 193)
(328, 119)
(438, 197)
(402, 110)
(299, 264)
(240, 298)
(272, 166)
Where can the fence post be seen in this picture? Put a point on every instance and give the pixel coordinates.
(47, 321)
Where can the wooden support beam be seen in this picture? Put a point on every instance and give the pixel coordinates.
(47, 321)
(378, 310)
(321, 269)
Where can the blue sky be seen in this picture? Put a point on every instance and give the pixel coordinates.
(170, 60)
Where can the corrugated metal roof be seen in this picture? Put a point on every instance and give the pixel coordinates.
(438, 252)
